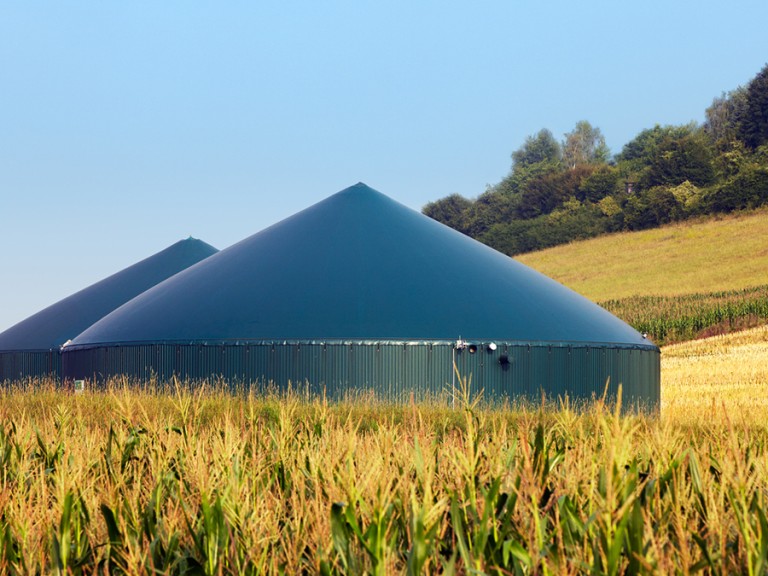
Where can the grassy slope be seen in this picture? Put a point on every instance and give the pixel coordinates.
(729, 253)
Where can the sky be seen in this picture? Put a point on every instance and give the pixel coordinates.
(127, 126)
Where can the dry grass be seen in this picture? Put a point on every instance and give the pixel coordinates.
(717, 255)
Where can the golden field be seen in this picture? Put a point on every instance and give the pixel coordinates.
(135, 481)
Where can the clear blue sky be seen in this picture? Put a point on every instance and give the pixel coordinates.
(126, 126)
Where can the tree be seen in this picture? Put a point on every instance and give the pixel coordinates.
(543, 194)
(681, 158)
(601, 183)
(515, 183)
(451, 211)
(667, 155)
(724, 116)
(651, 208)
(490, 208)
(572, 221)
(584, 145)
(643, 146)
(536, 149)
(753, 126)
(540, 154)
(748, 189)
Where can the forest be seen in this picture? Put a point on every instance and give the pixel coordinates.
(560, 191)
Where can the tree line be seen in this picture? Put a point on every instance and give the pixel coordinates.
(560, 191)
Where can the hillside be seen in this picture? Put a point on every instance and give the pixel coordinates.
(726, 253)
(676, 283)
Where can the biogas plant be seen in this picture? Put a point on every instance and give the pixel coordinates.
(359, 293)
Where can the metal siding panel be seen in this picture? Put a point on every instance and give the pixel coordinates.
(185, 361)
(607, 364)
(225, 364)
(413, 379)
(422, 358)
(294, 370)
(394, 365)
(276, 368)
(499, 378)
(19, 365)
(583, 380)
(241, 357)
(499, 382)
(552, 387)
(318, 362)
(310, 368)
(536, 371)
(597, 367)
(386, 366)
(404, 370)
(366, 369)
(594, 370)
(393, 371)
(357, 371)
(336, 372)
(474, 371)
(266, 362)
(442, 367)
(249, 367)
(341, 371)
(285, 376)
(539, 371)
(329, 369)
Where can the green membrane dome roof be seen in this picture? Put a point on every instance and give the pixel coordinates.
(54, 325)
(359, 266)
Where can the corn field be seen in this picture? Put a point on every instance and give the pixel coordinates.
(669, 319)
(133, 481)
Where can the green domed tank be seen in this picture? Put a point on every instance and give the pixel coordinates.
(359, 293)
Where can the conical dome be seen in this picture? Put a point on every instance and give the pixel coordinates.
(53, 326)
(359, 266)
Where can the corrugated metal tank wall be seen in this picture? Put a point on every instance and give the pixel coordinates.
(22, 364)
(394, 370)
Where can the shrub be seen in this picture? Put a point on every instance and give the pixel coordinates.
(651, 208)
(748, 189)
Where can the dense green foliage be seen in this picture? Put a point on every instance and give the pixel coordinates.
(668, 319)
(559, 192)
(753, 123)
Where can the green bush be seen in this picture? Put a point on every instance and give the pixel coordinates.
(651, 208)
(573, 221)
(748, 189)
